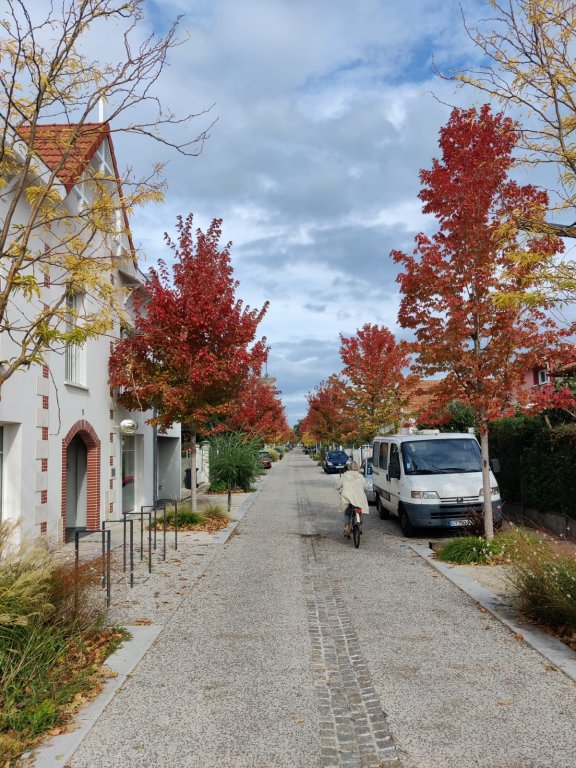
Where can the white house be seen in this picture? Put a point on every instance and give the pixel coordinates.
(70, 457)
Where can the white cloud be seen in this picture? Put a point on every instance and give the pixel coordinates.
(326, 112)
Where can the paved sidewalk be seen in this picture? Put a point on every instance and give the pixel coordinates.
(285, 646)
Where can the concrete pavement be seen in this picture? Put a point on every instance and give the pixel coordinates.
(288, 647)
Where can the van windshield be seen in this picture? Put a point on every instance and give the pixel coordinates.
(437, 457)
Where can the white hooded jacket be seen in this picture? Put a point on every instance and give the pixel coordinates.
(351, 487)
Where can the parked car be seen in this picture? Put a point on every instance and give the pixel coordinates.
(366, 470)
(336, 461)
(264, 459)
(431, 480)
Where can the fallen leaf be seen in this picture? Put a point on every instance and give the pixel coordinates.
(505, 702)
(142, 622)
(109, 673)
(519, 636)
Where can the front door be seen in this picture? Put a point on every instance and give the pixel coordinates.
(76, 486)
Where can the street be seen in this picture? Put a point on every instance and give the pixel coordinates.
(294, 649)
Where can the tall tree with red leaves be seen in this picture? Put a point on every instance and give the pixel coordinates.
(257, 411)
(193, 343)
(374, 367)
(329, 418)
(471, 292)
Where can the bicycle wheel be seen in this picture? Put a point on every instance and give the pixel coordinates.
(356, 533)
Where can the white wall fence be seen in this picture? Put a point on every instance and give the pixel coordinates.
(202, 463)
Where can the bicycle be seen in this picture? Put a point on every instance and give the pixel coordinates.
(355, 524)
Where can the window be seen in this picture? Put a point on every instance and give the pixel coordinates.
(543, 377)
(394, 456)
(128, 467)
(75, 366)
(441, 456)
(383, 459)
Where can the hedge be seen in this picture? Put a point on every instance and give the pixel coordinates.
(538, 463)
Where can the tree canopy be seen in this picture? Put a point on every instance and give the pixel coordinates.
(376, 382)
(64, 202)
(193, 344)
(453, 286)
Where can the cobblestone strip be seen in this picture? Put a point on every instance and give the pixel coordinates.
(353, 728)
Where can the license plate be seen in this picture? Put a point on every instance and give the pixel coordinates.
(457, 522)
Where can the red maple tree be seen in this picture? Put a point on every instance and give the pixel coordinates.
(193, 343)
(377, 385)
(257, 411)
(461, 288)
(329, 419)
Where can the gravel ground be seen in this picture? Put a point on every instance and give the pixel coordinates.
(458, 688)
(285, 646)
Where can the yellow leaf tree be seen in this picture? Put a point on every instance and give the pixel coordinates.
(64, 203)
(529, 67)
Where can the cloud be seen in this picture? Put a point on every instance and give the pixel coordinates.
(325, 113)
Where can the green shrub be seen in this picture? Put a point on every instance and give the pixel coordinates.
(184, 517)
(538, 463)
(273, 453)
(233, 461)
(218, 486)
(214, 512)
(471, 549)
(50, 638)
(546, 581)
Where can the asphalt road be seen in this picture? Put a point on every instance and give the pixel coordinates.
(294, 649)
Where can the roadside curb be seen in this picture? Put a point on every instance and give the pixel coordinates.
(552, 649)
(56, 751)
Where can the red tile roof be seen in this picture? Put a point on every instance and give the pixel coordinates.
(78, 143)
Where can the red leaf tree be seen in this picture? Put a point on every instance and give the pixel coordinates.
(257, 411)
(328, 418)
(193, 343)
(461, 287)
(374, 365)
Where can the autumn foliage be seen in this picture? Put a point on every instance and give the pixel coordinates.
(376, 382)
(257, 412)
(329, 418)
(460, 287)
(471, 292)
(193, 345)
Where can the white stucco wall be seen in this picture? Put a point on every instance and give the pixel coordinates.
(38, 409)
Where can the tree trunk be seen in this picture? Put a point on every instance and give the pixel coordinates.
(193, 457)
(486, 484)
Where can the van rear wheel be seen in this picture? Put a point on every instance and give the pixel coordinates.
(405, 524)
(383, 513)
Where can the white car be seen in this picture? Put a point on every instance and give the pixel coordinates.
(366, 471)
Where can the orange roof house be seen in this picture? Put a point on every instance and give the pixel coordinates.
(67, 150)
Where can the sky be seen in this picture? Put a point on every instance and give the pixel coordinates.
(323, 113)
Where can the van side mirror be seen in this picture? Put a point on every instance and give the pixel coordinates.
(394, 470)
(495, 465)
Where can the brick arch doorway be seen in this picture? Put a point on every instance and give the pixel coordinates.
(80, 480)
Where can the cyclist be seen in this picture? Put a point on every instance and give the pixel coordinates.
(350, 484)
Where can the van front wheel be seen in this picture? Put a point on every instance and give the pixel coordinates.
(405, 524)
(383, 513)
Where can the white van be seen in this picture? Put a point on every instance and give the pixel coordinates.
(430, 480)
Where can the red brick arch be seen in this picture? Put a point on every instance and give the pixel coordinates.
(86, 431)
